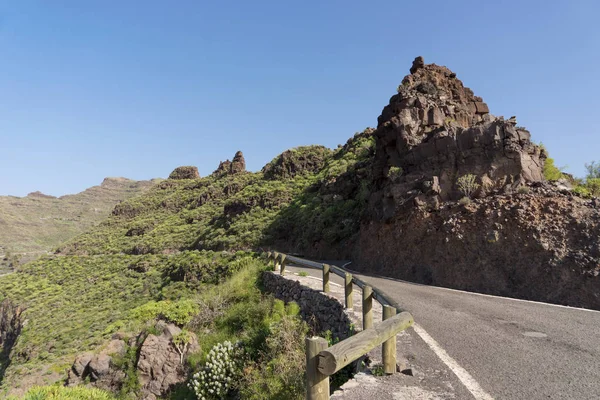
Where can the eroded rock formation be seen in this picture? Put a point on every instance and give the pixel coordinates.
(159, 362)
(187, 172)
(518, 236)
(236, 166)
(435, 130)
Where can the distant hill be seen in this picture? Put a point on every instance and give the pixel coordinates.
(38, 223)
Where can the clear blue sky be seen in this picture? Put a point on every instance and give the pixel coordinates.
(90, 89)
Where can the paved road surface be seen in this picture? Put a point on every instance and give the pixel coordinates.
(512, 349)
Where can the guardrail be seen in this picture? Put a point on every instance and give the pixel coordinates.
(323, 361)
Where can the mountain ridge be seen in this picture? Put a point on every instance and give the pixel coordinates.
(38, 222)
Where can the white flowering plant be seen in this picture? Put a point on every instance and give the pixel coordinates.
(221, 372)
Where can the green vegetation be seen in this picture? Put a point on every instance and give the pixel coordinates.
(467, 184)
(551, 171)
(64, 393)
(180, 253)
(38, 223)
(93, 297)
(394, 173)
(329, 211)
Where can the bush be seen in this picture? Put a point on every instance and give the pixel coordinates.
(178, 312)
(582, 191)
(221, 373)
(551, 171)
(593, 186)
(278, 373)
(394, 173)
(65, 393)
(593, 170)
(464, 201)
(467, 184)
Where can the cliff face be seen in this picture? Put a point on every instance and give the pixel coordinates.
(518, 236)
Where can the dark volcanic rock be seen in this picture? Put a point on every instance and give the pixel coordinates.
(435, 128)
(517, 237)
(160, 365)
(539, 246)
(238, 165)
(187, 172)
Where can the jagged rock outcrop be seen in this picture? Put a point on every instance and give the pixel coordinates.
(435, 130)
(100, 368)
(519, 236)
(11, 323)
(305, 159)
(186, 172)
(236, 166)
(159, 363)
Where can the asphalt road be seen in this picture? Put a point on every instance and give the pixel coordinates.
(513, 349)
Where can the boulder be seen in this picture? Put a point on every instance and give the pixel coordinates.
(160, 364)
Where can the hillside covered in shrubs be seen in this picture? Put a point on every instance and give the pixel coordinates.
(177, 265)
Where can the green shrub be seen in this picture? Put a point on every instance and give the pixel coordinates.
(221, 373)
(278, 373)
(582, 191)
(551, 172)
(394, 173)
(593, 186)
(65, 393)
(179, 312)
(593, 170)
(464, 201)
(467, 184)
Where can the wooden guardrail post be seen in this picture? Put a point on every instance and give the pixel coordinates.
(388, 349)
(348, 290)
(282, 265)
(275, 261)
(326, 278)
(367, 307)
(317, 383)
(336, 357)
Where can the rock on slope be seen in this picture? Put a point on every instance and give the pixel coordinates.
(519, 237)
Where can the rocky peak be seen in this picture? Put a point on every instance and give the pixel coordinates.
(39, 194)
(239, 163)
(435, 130)
(186, 172)
(232, 167)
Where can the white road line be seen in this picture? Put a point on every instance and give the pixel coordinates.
(387, 278)
(462, 374)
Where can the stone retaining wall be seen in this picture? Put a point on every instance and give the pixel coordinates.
(320, 311)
